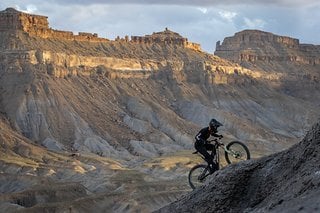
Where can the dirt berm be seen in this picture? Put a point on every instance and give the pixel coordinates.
(288, 181)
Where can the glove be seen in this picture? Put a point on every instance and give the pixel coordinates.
(206, 142)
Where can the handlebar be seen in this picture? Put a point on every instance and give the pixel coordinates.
(216, 141)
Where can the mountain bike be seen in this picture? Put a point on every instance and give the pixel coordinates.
(234, 152)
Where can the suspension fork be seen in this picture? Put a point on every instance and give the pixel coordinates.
(227, 150)
(230, 151)
(217, 155)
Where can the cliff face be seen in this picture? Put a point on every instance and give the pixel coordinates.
(119, 117)
(257, 50)
(38, 26)
(254, 46)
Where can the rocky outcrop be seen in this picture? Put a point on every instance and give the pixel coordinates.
(254, 46)
(284, 182)
(61, 65)
(11, 19)
(36, 25)
(283, 56)
(166, 37)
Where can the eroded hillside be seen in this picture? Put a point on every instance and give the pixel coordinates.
(114, 121)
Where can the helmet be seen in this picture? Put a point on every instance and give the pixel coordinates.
(214, 123)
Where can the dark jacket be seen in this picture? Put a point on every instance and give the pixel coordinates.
(204, 134)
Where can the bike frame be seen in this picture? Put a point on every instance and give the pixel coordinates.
(217, 153)
(217, 146)
(216, 156)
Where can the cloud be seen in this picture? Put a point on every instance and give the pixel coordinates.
(31, 8)
(203, 10)
(228, 15)
(27, 9)
(254, 23)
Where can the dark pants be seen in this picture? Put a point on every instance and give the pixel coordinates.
(202, 149)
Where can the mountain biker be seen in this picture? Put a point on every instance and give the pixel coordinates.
(202, 145)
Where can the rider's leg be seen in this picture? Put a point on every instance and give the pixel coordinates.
(212, 149)
(208, 158)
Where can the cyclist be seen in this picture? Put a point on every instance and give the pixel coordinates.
(202, 145)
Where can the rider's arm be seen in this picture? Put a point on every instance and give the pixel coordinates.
(216, 135)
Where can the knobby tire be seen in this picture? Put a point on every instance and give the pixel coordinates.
(194, 174)
(238, 149)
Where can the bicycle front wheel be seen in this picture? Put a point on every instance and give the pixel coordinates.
(236, 152)
(198, 175)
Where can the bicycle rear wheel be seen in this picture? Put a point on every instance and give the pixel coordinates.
(237, 152)
(198, 175)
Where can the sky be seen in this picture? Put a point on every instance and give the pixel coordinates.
(201, 21)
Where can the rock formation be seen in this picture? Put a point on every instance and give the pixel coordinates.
(291, 61)
(166, 37)
(36, 25)
(254, 45)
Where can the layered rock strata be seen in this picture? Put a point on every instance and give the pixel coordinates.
(294, 62)
(255, 45)
(36, 25)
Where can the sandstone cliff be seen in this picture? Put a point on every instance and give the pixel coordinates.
(297, 64)
(254, 45)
